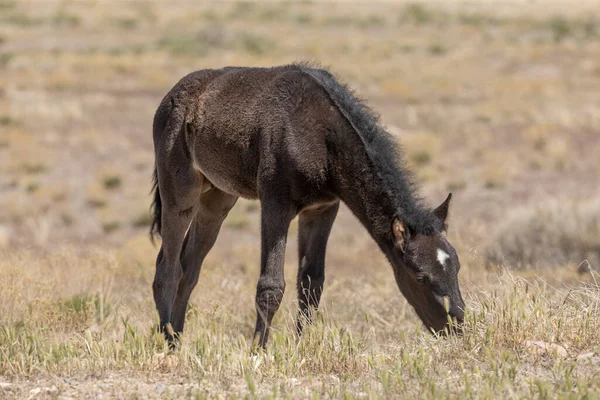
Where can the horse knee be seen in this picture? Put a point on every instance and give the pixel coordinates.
(269, 296)
(311, 283)
(188, 282)
(163, 292)
(166, 279)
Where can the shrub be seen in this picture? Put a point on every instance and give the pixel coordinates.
(112, 182)
(5, 59)
(416, 13)
(193, 43)
(143, 219)
(110, 226)
(549, 236)
(421, 147)
(560, 28)
(256, 44)
(62, 18)
(437, 49)
(34, 168)
(421, 157)
(7, 4)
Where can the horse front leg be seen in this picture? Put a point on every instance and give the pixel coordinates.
(313, 233)
(276, 215)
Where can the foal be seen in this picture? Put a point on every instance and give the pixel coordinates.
(299, 141)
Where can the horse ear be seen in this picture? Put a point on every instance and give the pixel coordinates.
(401, 234)
(442, 211)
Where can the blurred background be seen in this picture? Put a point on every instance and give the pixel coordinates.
(495, 101)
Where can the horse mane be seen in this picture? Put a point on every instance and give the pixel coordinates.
(383, 151)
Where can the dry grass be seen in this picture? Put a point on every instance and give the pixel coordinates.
(91, 315)
(497, 103)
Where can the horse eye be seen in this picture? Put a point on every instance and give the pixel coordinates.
(422, 279)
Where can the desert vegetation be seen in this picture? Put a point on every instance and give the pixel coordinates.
(496, 103)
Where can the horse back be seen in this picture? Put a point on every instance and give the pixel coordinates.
(244, 126)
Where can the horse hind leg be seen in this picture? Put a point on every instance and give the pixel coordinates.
(179, 188)
(212, 210)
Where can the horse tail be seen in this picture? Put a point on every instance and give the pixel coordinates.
(159, 125)
(155, 228)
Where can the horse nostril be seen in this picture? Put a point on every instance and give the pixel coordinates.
(459, 317)
(458, 313)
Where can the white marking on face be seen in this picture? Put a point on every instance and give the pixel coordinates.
(442, 256)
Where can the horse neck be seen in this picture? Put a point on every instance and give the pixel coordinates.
(363, 191)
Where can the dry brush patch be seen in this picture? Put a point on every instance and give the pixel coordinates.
(549, 235)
